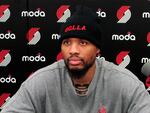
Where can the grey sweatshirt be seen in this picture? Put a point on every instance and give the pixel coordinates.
(50, 90)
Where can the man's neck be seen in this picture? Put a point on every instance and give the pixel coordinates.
(87, 78)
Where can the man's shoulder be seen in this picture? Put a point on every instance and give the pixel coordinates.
(49, 72)
(118, 79)
(52, 67)
(117, 73)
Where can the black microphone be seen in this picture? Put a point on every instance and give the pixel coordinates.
(146, 71)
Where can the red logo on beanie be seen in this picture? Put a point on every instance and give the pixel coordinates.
(75, 28)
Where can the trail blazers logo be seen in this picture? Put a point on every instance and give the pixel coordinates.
(123, 14)
(4, 13)
(59, 56)
(33, 36)
(123, 59)
(148, 83)
(5, 58)
(63, 13)
(3, 99)
(148, 39)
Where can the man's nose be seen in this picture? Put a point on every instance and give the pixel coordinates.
(74, 49)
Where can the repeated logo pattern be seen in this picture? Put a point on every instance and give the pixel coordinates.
(124, 39)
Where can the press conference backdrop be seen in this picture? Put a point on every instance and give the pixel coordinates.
(29, 34)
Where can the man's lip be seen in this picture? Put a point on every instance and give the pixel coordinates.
(74, 61)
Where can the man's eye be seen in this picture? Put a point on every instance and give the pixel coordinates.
(66, 42)
(83, 43)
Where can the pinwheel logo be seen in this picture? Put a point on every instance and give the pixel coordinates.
(59, 56)
(123, 59)
(63, 13)
(4, 99)
(4, 13)
(5, 58)
(123, 14)
(33, 36)
(148, 39)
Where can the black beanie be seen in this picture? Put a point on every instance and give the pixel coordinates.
(84, 24)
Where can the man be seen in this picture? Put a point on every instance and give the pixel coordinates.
(80, 83)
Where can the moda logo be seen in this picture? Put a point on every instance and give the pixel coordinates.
(148, 38)
(145, 60)
(123, 59)
(8, 35)
(37, 13)
(101, 13)
(33, 36)
(123, 14)
(9, 79)
(4, 99)
(4, 13)
(37, 58)
(63, 13)
(146, 15)
(5, 57)
(55, 36)
(127, 37)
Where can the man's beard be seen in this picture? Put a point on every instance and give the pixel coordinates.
(78, 73)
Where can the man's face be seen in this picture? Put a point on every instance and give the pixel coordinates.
(79, 55)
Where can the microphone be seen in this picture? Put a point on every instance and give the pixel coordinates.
(146, 71)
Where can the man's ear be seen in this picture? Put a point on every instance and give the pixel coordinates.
(98, 52)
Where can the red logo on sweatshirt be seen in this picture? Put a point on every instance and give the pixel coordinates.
(102, 110)
(75, 28)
